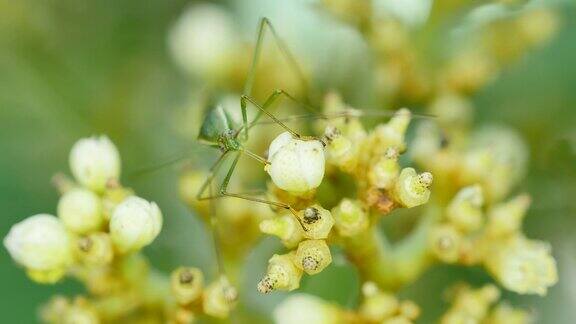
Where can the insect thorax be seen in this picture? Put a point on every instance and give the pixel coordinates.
(227, 141)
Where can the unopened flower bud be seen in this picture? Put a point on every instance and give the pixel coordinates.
(412, 189)
(409, 310)
(392, 133)
(80, 211)
(187, 284)
(80, 312)
(296, 165)
(377, 305)
(506, 218)
(471, 305)
(111, 198)
(135, 223)
(340, 150)
(445, 243)
(317, 222)
(313, 256)
(95, 249)
(203, 41)
(465, 210)
(523, 266)
(350, 217)
(286, 227)
(94, 162)
(282, 274)
(383, 174)
(506, 314)
(41, 244)
(219, 298)
(303, 308)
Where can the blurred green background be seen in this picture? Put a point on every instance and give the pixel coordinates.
(69, 69)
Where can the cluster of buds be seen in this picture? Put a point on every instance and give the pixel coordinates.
(307, 231)
(216, 299)
(373, 158)
(478, 306)
(376, 307)
(98, 227)
(479, 228)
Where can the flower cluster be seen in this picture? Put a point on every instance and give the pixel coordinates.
(95, 238)
(376, 307)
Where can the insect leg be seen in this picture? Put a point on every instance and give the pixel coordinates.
(262, 26)
(244, 99)
(211, 175)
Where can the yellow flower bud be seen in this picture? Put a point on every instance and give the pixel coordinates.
(80, 312)
(219, 298)
(409, 310)
(286, 227)
(506, 218)
(377, 305)
(339, 149)
(445, 242)
(465, 210)
(187, 284)
(282, 274)
(350, 217)
(313, 256)
(471, 305)
(296, 165)
(523, 266)
(392, 133)
(80, 211)
(506, 314)
(397, 320)
(111, 198)
(95, 249)
(317, 222)
(412, 189)
(383, 174)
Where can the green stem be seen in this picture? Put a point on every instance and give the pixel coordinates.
(392, 267)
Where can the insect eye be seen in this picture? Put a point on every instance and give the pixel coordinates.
(229, 132)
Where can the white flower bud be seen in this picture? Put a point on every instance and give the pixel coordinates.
(80, 210)
(523, 266)
(296, 165)
(94, 162)
(203, 41)
(135, 223)
(40, 243)
(305, 309)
